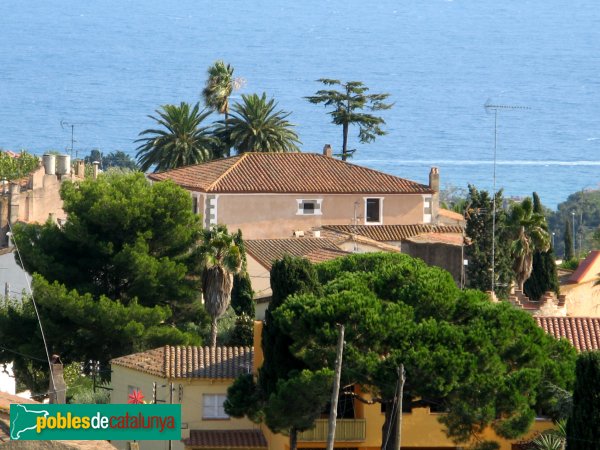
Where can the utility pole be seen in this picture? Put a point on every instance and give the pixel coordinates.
(336, 388)
(171, 387)
(401, 380)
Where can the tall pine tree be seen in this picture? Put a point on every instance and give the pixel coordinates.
(543, 277)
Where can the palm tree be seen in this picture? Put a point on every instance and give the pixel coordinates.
(554, 439)
(255, 126)
(221, 258)
(529, 233)
(219, 86)
(181, 141)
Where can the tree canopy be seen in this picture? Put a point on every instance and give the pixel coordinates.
(256, 125)
(479, 214)
(181, 140)
(348, 105)
(15, 167)
(124, 238)
(484, 363)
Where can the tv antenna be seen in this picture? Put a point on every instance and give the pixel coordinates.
(64, 124)
(490, 106)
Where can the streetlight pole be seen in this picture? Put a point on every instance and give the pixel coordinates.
(573, 230)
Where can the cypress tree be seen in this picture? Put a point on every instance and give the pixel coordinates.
(288, 276)
(543, 277)
(242, 296)
(479, 253)
(569, 250)
(583, 427)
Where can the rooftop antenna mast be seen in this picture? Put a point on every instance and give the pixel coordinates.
(489, 106)
(64, 124)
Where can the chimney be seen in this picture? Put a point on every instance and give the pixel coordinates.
(328, 151)
(96, 164)
(58, 387)
(434, 185)
(434, 180)
(80, 168)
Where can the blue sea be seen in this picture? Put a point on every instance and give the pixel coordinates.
(103, 66)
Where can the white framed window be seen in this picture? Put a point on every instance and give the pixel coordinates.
(212, 406)
(310, 207)
(373, 210)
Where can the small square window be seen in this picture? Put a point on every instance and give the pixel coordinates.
(213, 406)
(309, 207)
(373, 210)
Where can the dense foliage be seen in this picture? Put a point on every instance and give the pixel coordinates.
(528, 234)
(583, 427)
(586, 206)
(242, 295)
(113, 159)
(125, 238)
(117, 277)
(484, 363)
(13, 168)
(479, 215)
(544, 277)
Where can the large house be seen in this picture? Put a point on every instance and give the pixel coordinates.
(277, 195)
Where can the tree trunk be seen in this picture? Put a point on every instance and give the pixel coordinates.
(345, 128)
(388, 431)
(293, 438)
(213, 332)
(226, 134)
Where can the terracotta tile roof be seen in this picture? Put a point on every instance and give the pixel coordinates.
(394, 232)
(225, 439)
(582, 332)
(190, 362)
(450, 214)
(438, 238)
(301, 173)
(587, 269)
(265, 251)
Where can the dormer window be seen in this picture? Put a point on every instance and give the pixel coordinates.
(310, 207)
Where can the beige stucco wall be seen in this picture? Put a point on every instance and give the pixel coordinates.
(41, 199)
(262, 216)
(191, 405)
(582, 300)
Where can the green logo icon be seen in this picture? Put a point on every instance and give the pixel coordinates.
(95, 422)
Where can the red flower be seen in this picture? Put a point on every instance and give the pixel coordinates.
(136, 397)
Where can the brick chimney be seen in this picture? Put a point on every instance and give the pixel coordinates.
(434, 180)
(434, 185)
(58, 387)
(328, 151)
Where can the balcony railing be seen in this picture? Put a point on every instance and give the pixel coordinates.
(346, 430)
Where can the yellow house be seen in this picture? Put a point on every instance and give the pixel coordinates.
(197, 378)
(363, 431)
